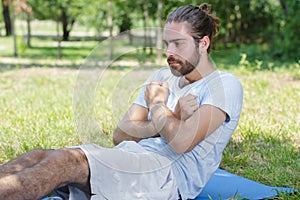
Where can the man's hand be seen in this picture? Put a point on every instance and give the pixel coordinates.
(156, 92)
(186, 106)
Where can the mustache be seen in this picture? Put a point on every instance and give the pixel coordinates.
(173, 59)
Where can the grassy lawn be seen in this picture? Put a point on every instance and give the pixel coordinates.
(38, 109)
(37, 112)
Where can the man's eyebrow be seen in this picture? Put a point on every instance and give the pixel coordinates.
(174, 40)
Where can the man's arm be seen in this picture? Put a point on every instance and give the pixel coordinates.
(134, 125)
(181, 135)
(138, 116)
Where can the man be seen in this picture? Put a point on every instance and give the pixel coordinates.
(169, 142)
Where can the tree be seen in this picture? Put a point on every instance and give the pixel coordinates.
(124, 15)
(287, 41)
(147, 39)
(110, 26)
(67, 23)
(17, 8)
(23, 6)
(67, 10)
(6, 17)
(159, 44)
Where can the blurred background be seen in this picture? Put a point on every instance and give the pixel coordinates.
(43, 43)
(263, 32)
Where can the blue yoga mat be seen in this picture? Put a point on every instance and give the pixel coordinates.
(224, 185)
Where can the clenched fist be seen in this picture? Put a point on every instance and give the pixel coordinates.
(156, 92)
(186, 106)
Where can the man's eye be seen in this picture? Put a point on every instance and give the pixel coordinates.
(178, 44)
(165, 44)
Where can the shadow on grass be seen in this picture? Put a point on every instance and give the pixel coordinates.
(52, 52)
(77, 57)
(71, 38)
(8, 67)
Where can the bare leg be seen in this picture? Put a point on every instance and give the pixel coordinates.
(59, 167)
(24, 161)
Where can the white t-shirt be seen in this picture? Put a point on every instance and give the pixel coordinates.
(193, 169)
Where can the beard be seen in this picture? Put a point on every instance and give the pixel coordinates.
(181, 67)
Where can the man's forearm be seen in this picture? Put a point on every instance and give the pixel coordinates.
(133, 130)
(139, 129)
(173, 130)
(161, 118)
(184, 135)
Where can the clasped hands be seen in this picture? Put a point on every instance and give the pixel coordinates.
(157, 93)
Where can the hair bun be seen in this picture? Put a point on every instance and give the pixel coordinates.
(205, 7)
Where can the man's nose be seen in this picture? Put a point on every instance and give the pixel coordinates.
(170, 51)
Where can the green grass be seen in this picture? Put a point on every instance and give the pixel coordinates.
(37, 112)
(265, 146)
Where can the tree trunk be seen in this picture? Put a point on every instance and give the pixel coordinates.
(146, 32)
(7, 20)
(65, 24)
(130, 37)
(59, 54)
(159, 44)
(284, 6)
(126, 26)
(14, 35)
(28, 43)
(110, 26)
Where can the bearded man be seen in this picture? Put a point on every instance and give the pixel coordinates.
(169, 142)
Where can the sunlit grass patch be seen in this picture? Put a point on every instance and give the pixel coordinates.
(36, 110)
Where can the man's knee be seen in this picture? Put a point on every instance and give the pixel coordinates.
(40, 152)
(75, 161)
(72, 155)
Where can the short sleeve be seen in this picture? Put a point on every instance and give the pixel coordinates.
(225, 92)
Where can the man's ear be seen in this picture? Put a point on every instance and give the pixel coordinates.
(204, 43)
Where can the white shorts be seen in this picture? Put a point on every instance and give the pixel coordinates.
(129, 172)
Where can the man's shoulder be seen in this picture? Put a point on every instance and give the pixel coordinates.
(225, 74)
(164, 70)
(229, 78)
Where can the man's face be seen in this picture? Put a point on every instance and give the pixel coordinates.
(182, 53)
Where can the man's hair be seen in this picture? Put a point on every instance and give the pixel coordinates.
(202, 22)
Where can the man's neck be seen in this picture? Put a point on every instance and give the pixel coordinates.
(203, 69)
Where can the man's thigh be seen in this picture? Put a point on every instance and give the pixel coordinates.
(121, 174)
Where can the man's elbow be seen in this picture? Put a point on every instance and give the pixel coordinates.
(180, 148)
(120, 136)
(183, 145)
(117, 139)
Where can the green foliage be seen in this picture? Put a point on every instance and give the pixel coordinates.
(271, 24)
(285, 44)
(51, 9)
(94, 16)
(246, 64)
